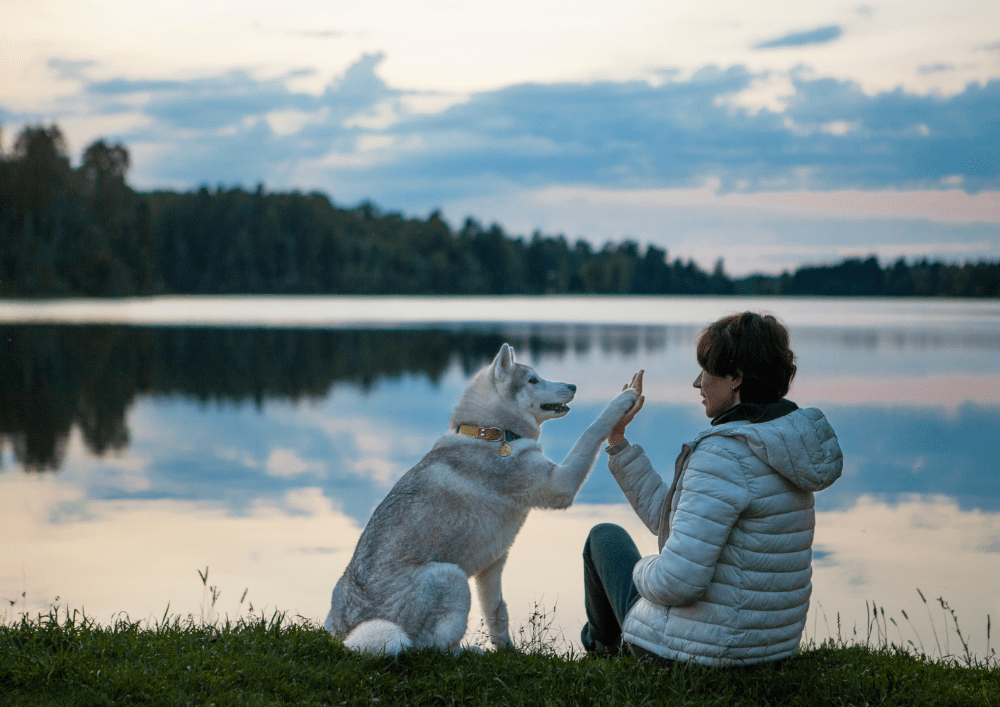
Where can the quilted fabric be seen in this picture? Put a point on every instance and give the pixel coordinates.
(732, 581)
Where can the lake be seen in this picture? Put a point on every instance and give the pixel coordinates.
(143, 441)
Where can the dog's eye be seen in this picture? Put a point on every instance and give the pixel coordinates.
(533, 380)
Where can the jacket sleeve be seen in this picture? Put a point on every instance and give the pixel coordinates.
(642, 485)
(713, 493)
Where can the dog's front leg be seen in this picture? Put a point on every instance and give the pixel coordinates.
(567, 478)
(492, 603)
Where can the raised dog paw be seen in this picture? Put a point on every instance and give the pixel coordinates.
(625, 399)
(616, 409)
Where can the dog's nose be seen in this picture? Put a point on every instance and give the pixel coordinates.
(571, 387)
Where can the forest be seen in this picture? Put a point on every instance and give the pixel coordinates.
(68, 232)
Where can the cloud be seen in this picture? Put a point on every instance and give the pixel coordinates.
(317, 33)
(359, 138)
(286, 463)
(831, 135)
(237, 128)
(935, 68)
(865, 11)
(67, 69)
(236, 98)
(820, 35)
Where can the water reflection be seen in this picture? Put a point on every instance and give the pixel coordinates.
(53, 378)
(140, 558)
(56, 377)
(262, 452)
(901, 452)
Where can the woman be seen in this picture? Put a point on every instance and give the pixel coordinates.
(731, 583)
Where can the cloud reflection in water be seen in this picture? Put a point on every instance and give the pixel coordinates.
(272, 495)
(139, 556)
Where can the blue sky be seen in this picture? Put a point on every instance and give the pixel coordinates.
(770, 135)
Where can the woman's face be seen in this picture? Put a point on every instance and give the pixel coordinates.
(717, 394)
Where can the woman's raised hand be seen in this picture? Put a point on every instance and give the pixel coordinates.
(618, 433)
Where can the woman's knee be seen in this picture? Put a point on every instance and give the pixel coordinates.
(604, 535)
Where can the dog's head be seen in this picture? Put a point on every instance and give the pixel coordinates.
(512, 396)
(528, 391)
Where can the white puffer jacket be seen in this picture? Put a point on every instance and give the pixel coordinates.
(732, 581)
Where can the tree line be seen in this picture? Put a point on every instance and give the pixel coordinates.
(84, 231)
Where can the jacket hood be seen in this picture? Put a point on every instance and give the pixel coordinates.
(801, 446)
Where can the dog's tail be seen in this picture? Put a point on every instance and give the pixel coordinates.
(378, 636)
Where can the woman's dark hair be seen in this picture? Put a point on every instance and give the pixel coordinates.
(754, 346)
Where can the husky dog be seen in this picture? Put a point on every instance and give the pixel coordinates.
(456, 513)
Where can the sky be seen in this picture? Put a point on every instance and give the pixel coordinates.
(769, 134)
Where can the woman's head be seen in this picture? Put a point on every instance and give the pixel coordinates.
(753, 348)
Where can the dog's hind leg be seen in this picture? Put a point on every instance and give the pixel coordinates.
(439, 606)
(492, 603)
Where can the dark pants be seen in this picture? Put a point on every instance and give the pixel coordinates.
(609, 555)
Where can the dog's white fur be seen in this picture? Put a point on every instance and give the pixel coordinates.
(456, 513)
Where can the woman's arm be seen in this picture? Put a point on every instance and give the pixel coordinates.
(714, 492)
(631, 468)
(642, 484)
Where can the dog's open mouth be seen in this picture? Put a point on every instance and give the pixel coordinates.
(555, 407)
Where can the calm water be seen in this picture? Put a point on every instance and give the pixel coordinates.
(254, 436)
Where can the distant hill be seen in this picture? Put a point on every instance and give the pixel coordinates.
(84, 231)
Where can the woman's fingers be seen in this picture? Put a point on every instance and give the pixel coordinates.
(636, 383)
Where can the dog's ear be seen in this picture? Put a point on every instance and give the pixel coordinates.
(503, 362)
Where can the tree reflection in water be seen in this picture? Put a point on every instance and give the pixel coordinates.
(53, 377)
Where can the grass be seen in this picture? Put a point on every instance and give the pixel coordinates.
(58, 659)
(64, 658)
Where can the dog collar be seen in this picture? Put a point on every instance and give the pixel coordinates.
(492, 434)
